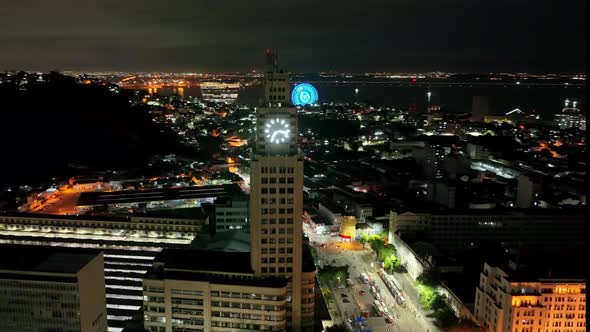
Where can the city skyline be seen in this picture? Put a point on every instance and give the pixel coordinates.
(390, 166)
(395, 36)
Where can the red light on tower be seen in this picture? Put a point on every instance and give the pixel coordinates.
(413, 80)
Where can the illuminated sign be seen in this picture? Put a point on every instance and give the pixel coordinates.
(304, 94)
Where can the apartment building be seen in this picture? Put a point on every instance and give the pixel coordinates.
(510, 301)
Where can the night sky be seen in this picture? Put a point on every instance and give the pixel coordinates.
(318, 35)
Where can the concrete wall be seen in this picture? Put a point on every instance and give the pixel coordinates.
(414, 264)
(93, 306)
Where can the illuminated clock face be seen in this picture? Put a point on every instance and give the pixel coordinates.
(277, 131)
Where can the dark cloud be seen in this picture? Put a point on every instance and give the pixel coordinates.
(344, 35)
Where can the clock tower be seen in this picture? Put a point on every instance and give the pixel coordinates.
(276, 199)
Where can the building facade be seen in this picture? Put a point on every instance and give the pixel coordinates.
(511, 304)
(570, 118)
(544, 229)
(271, 288)
(52, 289)
(231, 213)
(434, 155)
(129, 245)
(194, 291)
(276, 200)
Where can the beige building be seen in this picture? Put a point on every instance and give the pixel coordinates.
(521, 303)
(272, 287)
(197, 290)
(276, 82)
(52, 289)
(276, 201)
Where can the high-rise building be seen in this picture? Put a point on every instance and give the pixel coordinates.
(434, 154)
(508, 300)
(276, 198)
(276, 82)
(528, 190)
(52, 289)
(129, 245)
(442, 192)
(273, 290)
(480, 108)
(570, 117)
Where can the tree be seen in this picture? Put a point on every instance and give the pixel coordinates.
(445, 317)
(429, 278)
(376, 244)
(330, 274)
(391, 263)
(364, 239)
(386, 251)
(337, 328)
(426, 296)
(439, 303)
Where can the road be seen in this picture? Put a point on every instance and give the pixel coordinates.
(358, 298)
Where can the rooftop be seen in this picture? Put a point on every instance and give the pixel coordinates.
(534, 267)
(165, 194)
(210, 266)
(496, 211)
(235, 240)
(43, 263)
(204, 260)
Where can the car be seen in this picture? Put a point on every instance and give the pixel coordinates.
(346, 300)
(389, 319)
(362, 292)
